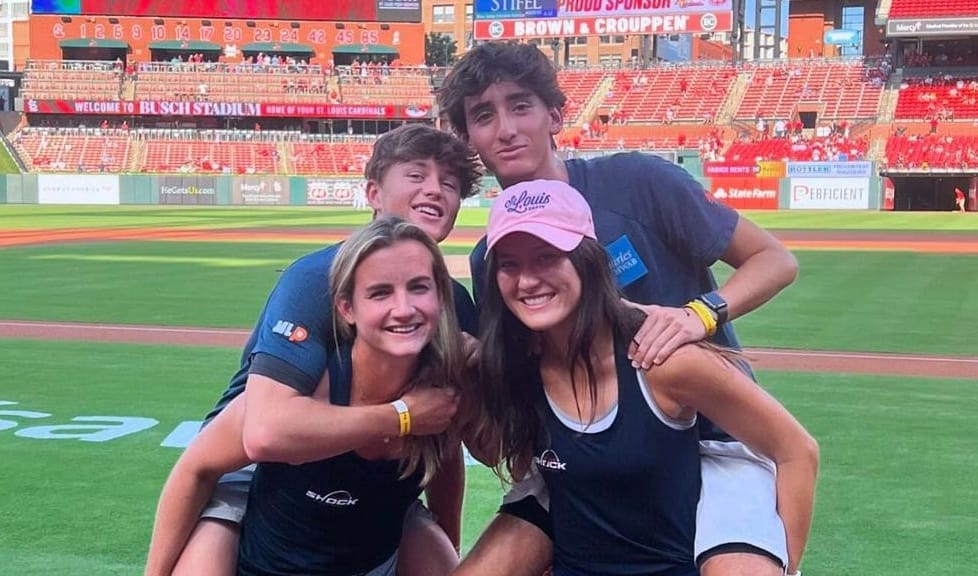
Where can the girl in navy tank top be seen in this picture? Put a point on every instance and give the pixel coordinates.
(616, 446)
(391, 384)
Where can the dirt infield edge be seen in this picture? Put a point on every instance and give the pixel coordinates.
(763, 358)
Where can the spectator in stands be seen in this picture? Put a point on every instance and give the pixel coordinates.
(416, 172)
(780, 129)
(504, 100)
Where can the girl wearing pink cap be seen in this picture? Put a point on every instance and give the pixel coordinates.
(616, 446)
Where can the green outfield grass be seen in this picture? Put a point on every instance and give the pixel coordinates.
(894, 498)
(874, 301)
(34, 217)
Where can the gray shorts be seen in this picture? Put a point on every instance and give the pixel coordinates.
(738, 501)
(230, 498)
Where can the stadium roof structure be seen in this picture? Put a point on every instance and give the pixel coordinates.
(278, 47)
(92, 43)
(365, 49)
(185, 45)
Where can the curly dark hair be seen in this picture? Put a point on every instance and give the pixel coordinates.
(493, 62)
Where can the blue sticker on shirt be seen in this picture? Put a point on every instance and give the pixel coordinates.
(625, 262)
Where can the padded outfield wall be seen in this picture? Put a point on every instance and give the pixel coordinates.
(745, 186)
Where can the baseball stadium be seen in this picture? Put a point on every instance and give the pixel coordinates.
(163, 163)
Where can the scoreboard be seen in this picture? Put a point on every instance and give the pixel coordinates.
(333, 10)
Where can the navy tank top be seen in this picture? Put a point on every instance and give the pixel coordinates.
(622, 500)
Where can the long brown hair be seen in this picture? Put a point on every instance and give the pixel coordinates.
(509, 383)
(442, 361)
(510, 399)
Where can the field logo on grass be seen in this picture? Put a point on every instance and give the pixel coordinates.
(90, 428)
(106, 428)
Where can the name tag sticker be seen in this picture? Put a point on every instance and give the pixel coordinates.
(625, 263)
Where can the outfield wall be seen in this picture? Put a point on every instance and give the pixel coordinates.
(767, 186)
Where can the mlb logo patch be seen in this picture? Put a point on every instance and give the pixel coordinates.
(293, 332)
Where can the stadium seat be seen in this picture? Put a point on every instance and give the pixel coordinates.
(84, 150)
(932, 9)
(668, 94)
(840, 89)
(953, 99)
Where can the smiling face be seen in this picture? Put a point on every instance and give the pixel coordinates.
(394, 303)
(537, 282)
(421, 192)
(511, 129)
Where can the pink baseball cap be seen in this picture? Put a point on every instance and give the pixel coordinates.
(551, 210)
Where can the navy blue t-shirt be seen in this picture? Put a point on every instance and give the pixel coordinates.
(294, 334)
(622, 499)
(333, 517)
(662, 232)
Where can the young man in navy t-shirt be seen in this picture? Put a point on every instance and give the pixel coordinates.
(663, 233)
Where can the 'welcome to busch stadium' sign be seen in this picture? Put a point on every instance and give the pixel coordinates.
(224, 109)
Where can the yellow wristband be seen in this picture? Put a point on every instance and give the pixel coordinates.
(403, 417)
(700, 309)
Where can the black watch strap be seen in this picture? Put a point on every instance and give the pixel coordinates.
(717, 304)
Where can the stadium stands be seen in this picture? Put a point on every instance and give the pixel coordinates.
(668, 94)
(799, 149)
(945, 98)
(230, 82)
(638, 137)
(667, 107)
(394, 85)
(224, 156)
(580, 87)
(76, 150)
(839, 89)
(932, 152)
(931, 9)
(52, 80)
(340, 157)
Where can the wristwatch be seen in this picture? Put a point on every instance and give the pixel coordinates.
(716, 304)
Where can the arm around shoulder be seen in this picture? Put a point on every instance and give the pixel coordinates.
(282, 425)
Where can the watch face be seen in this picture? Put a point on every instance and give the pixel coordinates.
(714, 301)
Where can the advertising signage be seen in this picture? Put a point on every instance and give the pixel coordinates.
(226, 109)
(746, 193)
(517, 19)
(931, 26)
(494, 9)
(829, 194)
(339, 10)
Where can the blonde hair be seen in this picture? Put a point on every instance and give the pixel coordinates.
(442, 361)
